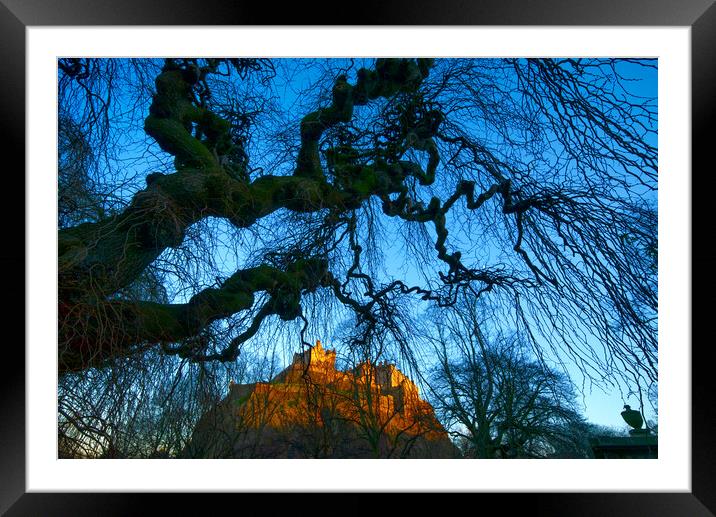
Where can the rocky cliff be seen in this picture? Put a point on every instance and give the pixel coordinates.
(312, 410)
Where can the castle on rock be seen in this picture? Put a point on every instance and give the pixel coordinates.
(313, 410)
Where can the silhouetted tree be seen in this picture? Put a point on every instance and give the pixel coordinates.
(497, 399)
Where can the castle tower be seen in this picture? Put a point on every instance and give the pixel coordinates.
(316, 356)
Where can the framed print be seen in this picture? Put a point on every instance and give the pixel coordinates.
(493, 98)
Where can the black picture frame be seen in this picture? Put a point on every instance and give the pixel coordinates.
(17, 15)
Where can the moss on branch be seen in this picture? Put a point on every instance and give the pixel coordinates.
(134, 325)
(389, 77)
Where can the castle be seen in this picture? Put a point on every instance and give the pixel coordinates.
(312, 410)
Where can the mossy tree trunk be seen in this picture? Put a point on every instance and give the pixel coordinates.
(96, 260)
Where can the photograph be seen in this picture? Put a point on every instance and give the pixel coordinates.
(438, 254)
(383, 258)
